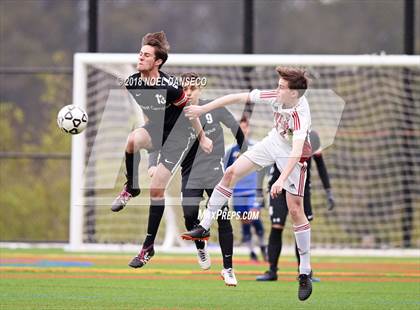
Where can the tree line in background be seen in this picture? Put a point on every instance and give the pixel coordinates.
(35, 192)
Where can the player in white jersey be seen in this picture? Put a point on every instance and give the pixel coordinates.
(287, 145)
(290, 124)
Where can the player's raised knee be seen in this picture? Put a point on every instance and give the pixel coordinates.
(231, 175)
(130, 142)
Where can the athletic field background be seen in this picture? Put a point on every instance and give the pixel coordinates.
(54, 279)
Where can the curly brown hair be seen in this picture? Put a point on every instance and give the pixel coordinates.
(160, 43)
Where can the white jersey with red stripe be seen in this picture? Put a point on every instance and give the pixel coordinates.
(289, 124)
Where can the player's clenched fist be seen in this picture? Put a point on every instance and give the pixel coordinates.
(206, 144)
(193, 111)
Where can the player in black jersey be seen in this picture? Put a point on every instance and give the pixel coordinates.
(201, 172)
(279, 210)
(166, 129)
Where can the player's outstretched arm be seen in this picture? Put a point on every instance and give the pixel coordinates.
(194, 111)
(295, 155)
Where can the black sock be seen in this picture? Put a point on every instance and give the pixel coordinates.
(274, 247)
(191, 220)
(199, 244)
(132, 161)
(297, 255)
(155, 215)
(226, 241)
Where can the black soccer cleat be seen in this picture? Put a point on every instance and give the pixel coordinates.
(311, 275)
(305, 287)
(268, 276)
(142, 258)
(121, 201)
(197, 233)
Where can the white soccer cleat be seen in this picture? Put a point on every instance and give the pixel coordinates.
(229, 277)
(203, 257)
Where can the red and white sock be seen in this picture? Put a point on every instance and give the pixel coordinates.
(303, 241)
(217, 200)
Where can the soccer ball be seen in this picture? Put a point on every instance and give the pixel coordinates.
(72, 119)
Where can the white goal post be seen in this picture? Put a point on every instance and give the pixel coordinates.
(373, 162)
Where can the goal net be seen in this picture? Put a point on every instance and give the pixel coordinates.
(365, 108)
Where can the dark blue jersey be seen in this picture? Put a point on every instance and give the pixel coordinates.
(248, 185)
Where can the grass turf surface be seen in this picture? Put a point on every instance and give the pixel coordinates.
(41, 279)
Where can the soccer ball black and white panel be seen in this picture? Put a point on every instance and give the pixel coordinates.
(72, 119)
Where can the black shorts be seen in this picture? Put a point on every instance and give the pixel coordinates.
(193, 189)
(173, 146)
(202, 176)
(191, 198)
(278, 209)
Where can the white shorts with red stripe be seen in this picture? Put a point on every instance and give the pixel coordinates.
(273, 150)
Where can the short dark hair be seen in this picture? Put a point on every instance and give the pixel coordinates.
(190, 75)
(295, 77)
(159, 41)
(190, 79)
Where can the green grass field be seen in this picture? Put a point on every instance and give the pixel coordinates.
(53, 279)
